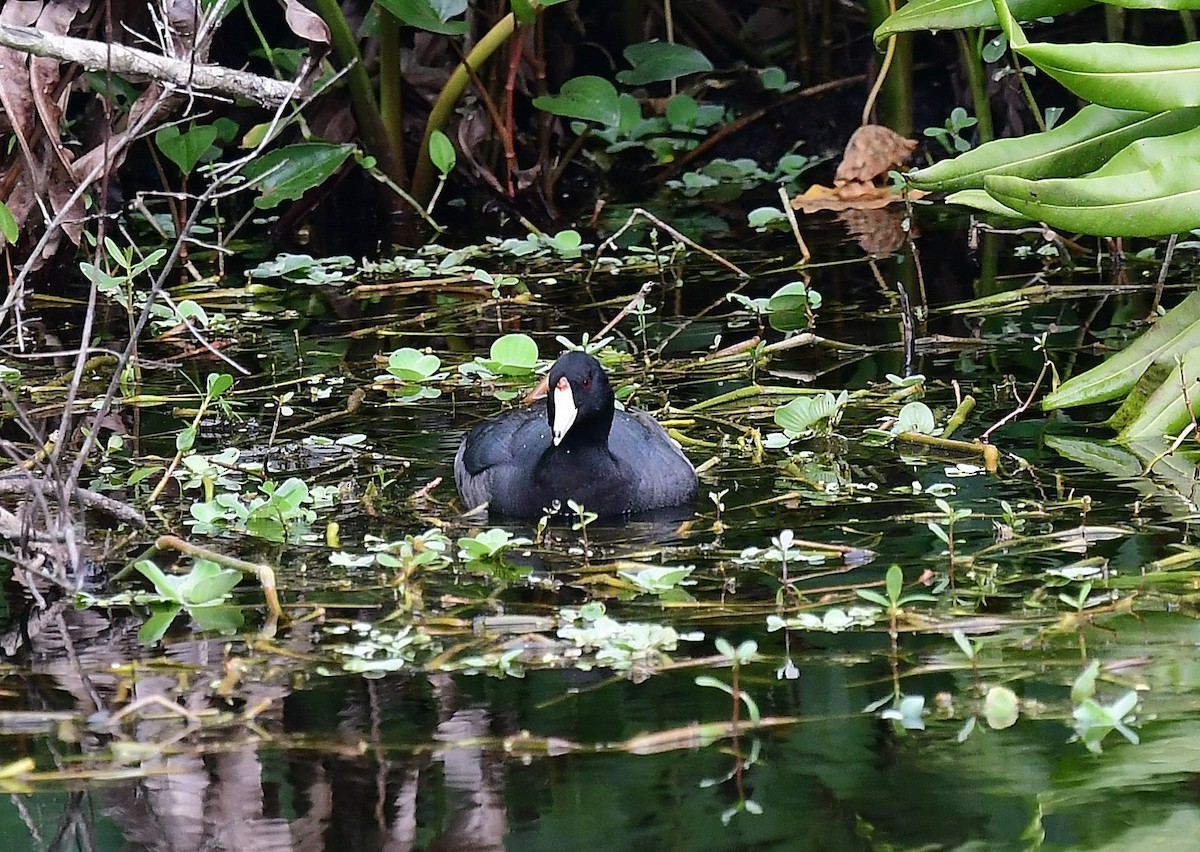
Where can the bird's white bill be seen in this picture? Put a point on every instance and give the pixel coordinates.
(564, 411)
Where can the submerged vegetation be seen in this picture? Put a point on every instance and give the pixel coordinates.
(922, 593)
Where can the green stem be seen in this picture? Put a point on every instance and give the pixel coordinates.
(391, 100)
(424, 175)
(973, 63)
(362, 96)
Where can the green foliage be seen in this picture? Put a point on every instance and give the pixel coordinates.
(1047, 178)
(511, 355)
(205, 584)
(1095, 721)
(586, 98)
(656, 61)
(8, 224)
(801, 415)
(275, 513)
(431, 15)
(949, 136)
(285, 174)
(614, 644)
(187, 148)
(488, 545)
(441, 151)
(198, 593)
(413, 365)
(894, 599)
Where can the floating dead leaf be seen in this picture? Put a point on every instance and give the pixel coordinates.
(871, 152)
(861, 197)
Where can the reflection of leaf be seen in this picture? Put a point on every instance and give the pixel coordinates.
(156, 625)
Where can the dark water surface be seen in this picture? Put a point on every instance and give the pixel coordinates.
(459, 747)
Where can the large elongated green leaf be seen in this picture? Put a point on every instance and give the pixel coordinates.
(961, 14)
(1127, 76)
(1175, 333)
(289, 172)
(979, 200)
(1166, 411)
(1164, 199)
(1145, 153)
(1077, 146)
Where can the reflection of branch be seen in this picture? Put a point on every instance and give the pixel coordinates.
(130, 61)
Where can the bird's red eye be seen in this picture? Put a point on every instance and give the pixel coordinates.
(587, 383)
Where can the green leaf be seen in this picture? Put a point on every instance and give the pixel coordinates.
(1143, 154)
(1166, 412)
(964, 14)
(156, 625)
(978, 199)
(223, 619)
(186, 149)
(682, 111)
(441, 152)
(515, 354)
(412, 365)
(916, 417)
(289, 172)
(1001, 707)
(167, 586)
(873, 596)
(654, 61)
(208, 582)
(1084, 686)
(8, 224)
(895, 582)
(217, 384)
(587, 98)
(1164, 199)
(804, 412)
(1079, 145)
(1127, 76)
(431, 15)
(185, 440)
(1176, 333)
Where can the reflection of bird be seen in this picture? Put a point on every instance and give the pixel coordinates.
(578, 448)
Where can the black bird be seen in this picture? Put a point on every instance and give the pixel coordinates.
(579, 447)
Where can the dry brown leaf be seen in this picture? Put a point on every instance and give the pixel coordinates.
(305, 23)
(871, 152)
(855, 196)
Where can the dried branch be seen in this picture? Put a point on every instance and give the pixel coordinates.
(133, 62)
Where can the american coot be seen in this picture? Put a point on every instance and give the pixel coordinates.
(576, 448)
